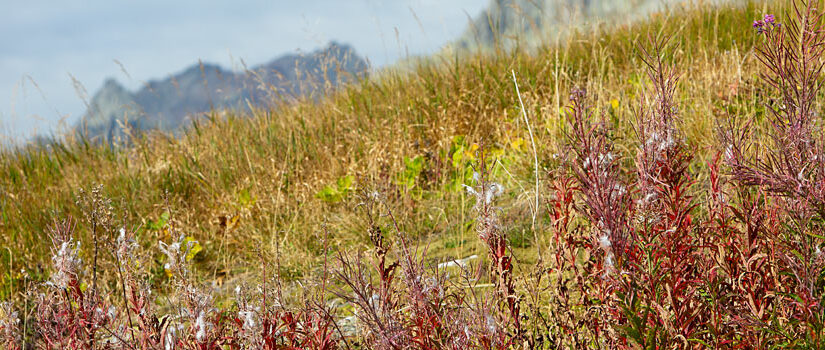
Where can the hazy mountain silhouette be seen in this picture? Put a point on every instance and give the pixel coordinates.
(505, 23)
(170, 103)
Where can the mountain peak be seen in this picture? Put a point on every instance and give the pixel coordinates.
(507, 22)
(167, 104)
(111, 84)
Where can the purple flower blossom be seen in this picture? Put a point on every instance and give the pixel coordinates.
(763, 25)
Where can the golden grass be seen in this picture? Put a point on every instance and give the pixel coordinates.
(259, 173)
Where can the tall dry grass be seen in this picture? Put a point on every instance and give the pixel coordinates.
(244, 184)
(682, 208)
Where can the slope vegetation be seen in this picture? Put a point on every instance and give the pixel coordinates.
(278, 182)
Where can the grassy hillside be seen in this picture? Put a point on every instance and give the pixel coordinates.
(243, 185)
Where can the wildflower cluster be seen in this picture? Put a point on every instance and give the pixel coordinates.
(10, 335)
(491, 233)
(766, 24)
(640, 254)
(66, 262)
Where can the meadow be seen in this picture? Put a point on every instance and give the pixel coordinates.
(658, 185)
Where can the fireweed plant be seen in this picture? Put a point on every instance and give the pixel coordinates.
(790, 177)
(640, 253)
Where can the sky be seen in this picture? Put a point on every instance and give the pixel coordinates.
(56, 54)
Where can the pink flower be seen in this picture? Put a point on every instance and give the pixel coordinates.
(768, 21)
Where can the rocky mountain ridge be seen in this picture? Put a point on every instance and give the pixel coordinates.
(171, 103)
(507, 23)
